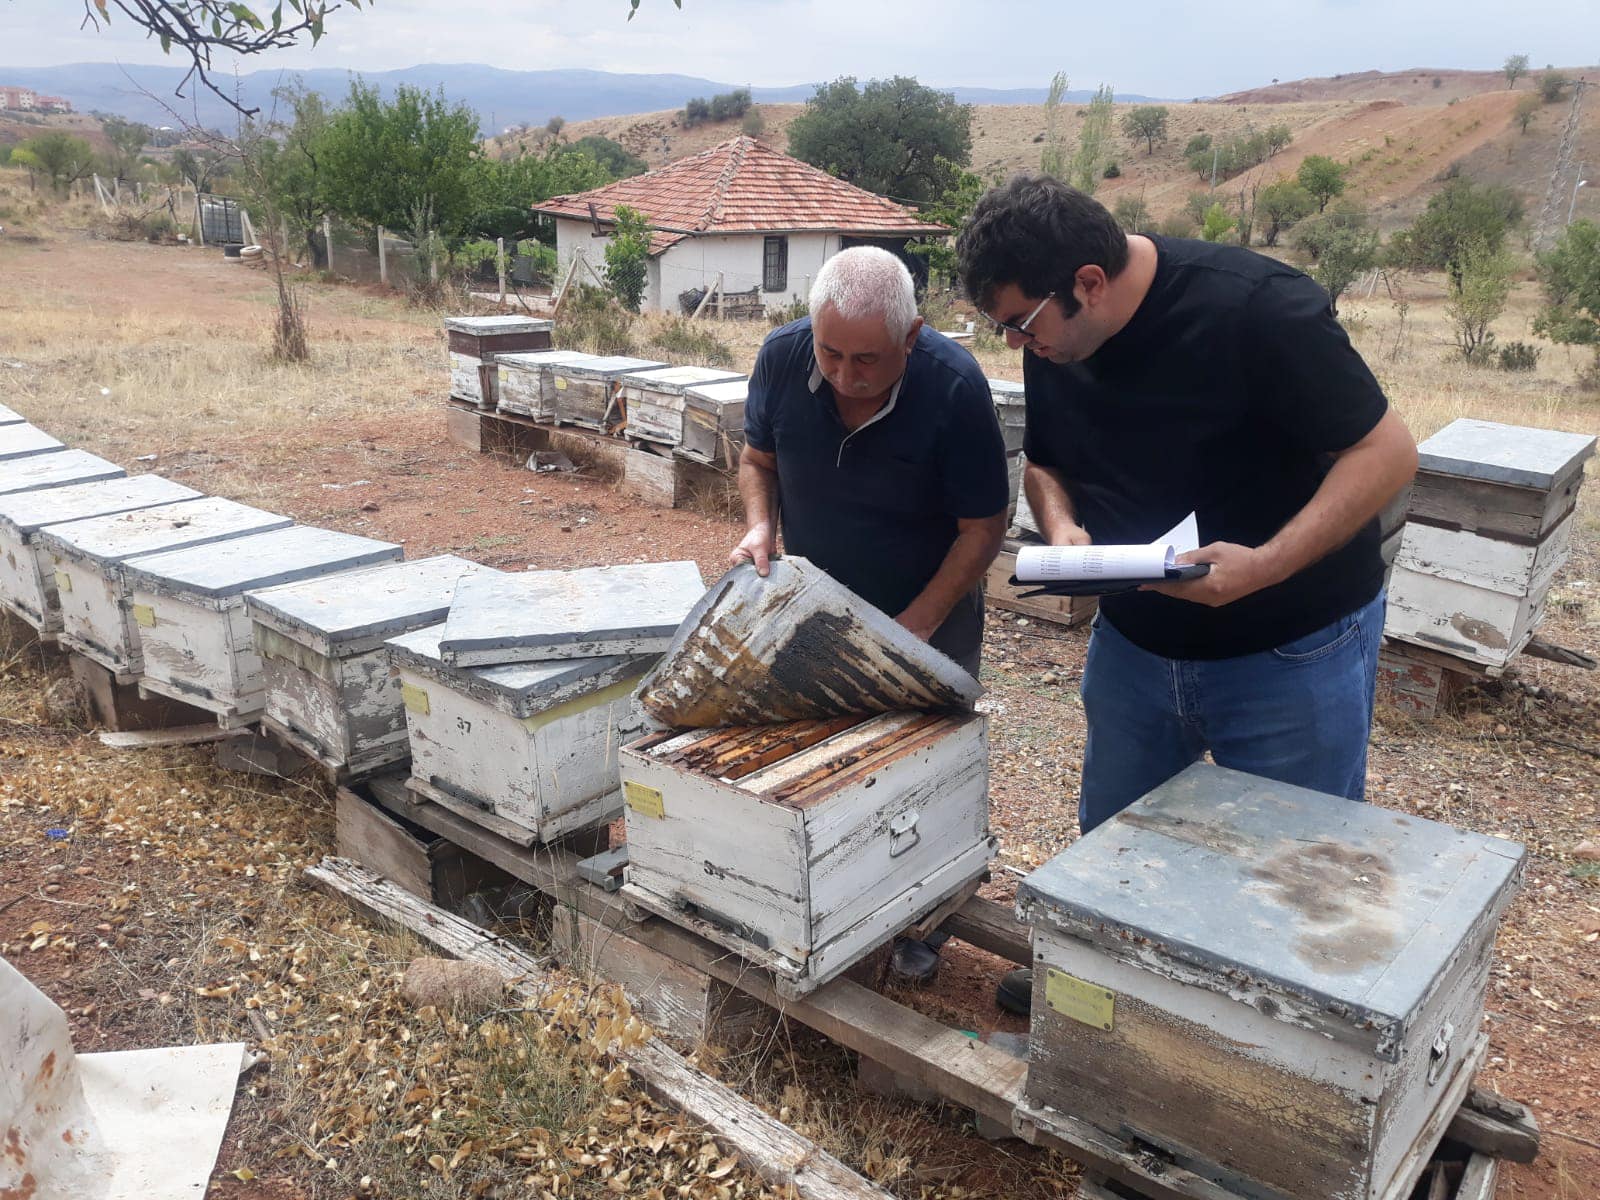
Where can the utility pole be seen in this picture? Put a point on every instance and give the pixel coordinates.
(1549, 213)
(1577, 183)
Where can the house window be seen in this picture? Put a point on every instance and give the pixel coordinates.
(775, 264)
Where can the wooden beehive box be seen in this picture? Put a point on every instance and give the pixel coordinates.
(96, 615)
(529, 750)
(525, 383)
(27, 569)
(329, 690)
(1281, 990)
(802, 847)
(189, 606)
(713, 422)
(474, 342)
(25, 441)
(654, 401)
(1489, 524)
(1010, 408)
(55, 470)
(586, 392)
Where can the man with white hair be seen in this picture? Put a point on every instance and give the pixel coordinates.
(873, 439)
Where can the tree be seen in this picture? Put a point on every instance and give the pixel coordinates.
(951, 210)
(754, 124)
(127, 139)
(1516, 67)
(1133, 214)
(1280, 205)
(1089, 159)
(628, 257)
(60, 157)
(1553, 86)
(611, 155)
(198, 166)
(1217, 224)
(509, 187)
(1199, 152)
(1569, 273)
(1322, 177)
(1147, 124)
(1349, 249)
(1527, 108)
(1053, 158)
(1460, 215)
(893, 136)
(1478, 296)
(1278, 138)
(291, 173)
(384, 159)
(725, 107)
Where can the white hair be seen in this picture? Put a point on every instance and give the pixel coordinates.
(867, 281)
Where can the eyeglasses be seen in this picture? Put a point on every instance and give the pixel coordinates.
(1020, 328)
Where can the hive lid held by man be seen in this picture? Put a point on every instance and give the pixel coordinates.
(256, 560)
(632, 608)
(1346, 914)
(1510, 454)
(55, 470)
(24, 441)
(797, 645)
(25, 513)
(335, 614)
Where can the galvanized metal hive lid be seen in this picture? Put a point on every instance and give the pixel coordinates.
(523, 689)
(1006, 392)
(21, 441)
(55, 470)
(234, 566)
(164, 527)
(1346, 913)
(797, 645)
(541, 358)
(677, 379)
(1511, 454)
(606, 367)
(24, 513)
(9, 417)
(489, 326)
(376, 602)
(720, 393)
(632, 608)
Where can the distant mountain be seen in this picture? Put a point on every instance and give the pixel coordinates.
(500, 98)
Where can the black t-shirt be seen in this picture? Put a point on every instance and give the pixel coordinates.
(1225, 394)
(877, 508)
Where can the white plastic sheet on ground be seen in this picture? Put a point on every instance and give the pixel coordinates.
(131, 1125)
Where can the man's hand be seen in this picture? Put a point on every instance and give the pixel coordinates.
(1070, 533)
(1236, 571)
(759, 546)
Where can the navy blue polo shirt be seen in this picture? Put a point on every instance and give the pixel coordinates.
(877, 508)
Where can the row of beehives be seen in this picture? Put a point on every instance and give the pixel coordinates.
(505, 364)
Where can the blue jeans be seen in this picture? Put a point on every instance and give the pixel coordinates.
(1300, 713)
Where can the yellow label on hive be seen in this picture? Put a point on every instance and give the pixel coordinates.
(561, 384)
(1086, 1002)
(63, 582)
(145, 615)
(415, 699)
(646, 801)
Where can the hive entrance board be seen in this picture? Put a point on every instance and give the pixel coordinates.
(538, 616)
(797, 645)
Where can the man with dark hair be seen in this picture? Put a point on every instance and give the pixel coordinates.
(1168, 376)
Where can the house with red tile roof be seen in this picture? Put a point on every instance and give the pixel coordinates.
(741, 212)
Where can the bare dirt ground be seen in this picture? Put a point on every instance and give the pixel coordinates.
(170, 910)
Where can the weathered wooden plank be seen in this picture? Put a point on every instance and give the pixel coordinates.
(1495, 1125)
(654, 478)
(1477, 1179)
(999, 592)
(773, 1150)
(992, 927)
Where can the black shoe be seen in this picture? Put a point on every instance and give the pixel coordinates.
(914, 964)
(1015, 993)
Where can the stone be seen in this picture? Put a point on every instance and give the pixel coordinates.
(451, 985)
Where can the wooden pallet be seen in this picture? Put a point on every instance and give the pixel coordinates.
(1000, 592)
(937, 1058)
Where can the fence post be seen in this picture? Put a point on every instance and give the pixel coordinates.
(199, 218)
(283, 236)
(433, 260)
(500, 261)
(383, 260)
(327, 242)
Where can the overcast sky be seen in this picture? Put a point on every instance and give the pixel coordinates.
(1174, 48)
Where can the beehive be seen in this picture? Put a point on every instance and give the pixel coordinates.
(43, 471)
(713, 422)
(525, 383)
(1010, 409)
(329, 690)
(96, 615)
(10, 417)
(27, 569)
(655, 400)
(1489, 524)
(586, 392)
(475, 341)
(803, 846)
(529, 750)
(1282, 991)
(25, 441)
(189, 605)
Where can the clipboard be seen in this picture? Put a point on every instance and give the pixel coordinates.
(1108, 587)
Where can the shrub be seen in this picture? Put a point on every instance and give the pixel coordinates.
(782, 314)
(690, 341)
(594, 322)
(1518, 356)
(1113, 170)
